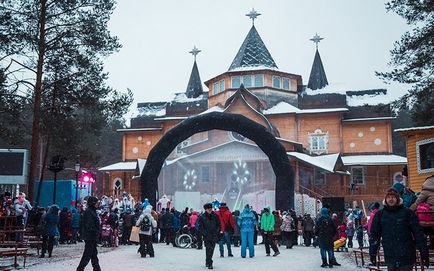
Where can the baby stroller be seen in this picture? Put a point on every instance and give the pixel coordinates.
(106, 234)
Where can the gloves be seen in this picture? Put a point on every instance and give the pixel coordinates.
(373, 259)
(425, 261)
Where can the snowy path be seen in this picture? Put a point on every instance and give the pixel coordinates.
(166, 258)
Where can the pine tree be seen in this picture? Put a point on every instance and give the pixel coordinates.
(412, 58)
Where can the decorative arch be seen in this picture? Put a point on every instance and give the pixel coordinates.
(228, 122)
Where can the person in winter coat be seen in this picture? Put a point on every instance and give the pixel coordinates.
(350, 233)
(267, 225)
(75, 225)
(192, 223)
(64, 225)
(374, 210)
(167, 227)
(210, 227)
(308, 225)
(127, 226)
(146, 223)
(51, 220)
(407, 195)
(325, 229)
(246, 222)
(342, 237)
(227, 226)
(426, 194)
(277, 234)
(237, 235)
(359, 232)
(287, 228)
(400, 233)
(90, 235)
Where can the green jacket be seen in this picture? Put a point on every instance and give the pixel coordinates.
(267, 222)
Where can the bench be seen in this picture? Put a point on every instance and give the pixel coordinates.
(14, 249)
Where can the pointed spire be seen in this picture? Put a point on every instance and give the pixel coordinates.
(253, 52)
(317, 78)
(194, 87)
(253, 14)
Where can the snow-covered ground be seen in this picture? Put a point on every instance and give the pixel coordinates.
(66, 258)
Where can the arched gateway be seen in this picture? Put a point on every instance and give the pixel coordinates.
(228, 122)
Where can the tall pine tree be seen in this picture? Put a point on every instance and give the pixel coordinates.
(412, 58)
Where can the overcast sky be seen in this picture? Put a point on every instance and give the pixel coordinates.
(157, 36)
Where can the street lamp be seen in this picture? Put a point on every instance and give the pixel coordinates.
(77, 170)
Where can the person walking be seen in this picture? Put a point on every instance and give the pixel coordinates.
(227, 228)
(51, 219)
(399, 231)
(146, 223)
(287, 228)
(267, 226)
(127, 226)
(308, 225)
(325, 229)
(209, 225)
(75, 224)
(247, 222)
(91, 231)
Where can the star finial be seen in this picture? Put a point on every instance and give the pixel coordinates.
(195, 52)
(253, 14)
(316, 39)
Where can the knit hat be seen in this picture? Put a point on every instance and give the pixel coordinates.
(207, 206)
(247, 206)
(393, 192)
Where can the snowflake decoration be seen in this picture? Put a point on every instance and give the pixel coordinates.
(241, 174)
(190, 179)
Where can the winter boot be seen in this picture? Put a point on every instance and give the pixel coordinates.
(334, 262)
(324, 262)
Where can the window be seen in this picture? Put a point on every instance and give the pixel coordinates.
(276, 82)
(247, 81)
(318, 141)
(425, 155)
(205, 174)
(117, 187)
(286, 84)
(222, 85)
(357, 175)
(259, 80)
(320, 177)
(236, 81)
(218, 87)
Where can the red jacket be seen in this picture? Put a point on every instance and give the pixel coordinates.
(225, 216)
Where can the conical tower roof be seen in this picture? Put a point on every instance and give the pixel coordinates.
(194, 87)
(317, 78)
(253, 53)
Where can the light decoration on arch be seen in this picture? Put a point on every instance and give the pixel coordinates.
(190, 178)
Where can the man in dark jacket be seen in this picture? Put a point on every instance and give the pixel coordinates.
(209, 225)
(399, 229)
(308, 224)
(167, 227)
(91, 229)
(127, 226)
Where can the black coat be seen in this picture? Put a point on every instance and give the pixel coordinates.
(325, 229)
(399, 229)
(166, 220)
(209, 225)
(91, 225)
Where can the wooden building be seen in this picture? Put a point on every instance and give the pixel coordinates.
(420, 154)
(339, 141)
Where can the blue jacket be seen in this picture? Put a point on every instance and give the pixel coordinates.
(51, 221)
(75, 221)
(176, 221)
(246, 221)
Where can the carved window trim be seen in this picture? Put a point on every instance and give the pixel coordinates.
(418, 155)
(322, 141)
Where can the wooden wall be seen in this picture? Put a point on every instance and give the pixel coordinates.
(367, 136)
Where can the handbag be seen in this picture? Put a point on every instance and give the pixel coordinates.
(134, 236)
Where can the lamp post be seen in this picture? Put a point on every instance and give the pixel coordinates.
(77, 170)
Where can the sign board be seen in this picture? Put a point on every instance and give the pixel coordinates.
(13, 166)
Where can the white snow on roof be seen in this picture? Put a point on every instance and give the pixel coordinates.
(334, 88)
(156, 111)
(253, 68)
(141, 163)
(370, 99)
(372, 160)
(172, 118)
(414, 128)
(182, 98)
(120, 166)
(370, 119)
(212, 109)
(286, 108)
(326, 162)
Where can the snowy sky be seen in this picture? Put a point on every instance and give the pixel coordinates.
(157, 36)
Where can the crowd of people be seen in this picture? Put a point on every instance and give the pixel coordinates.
(112, 222)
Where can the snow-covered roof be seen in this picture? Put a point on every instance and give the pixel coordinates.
(286, 108)
(151, 110)
(369, 119)
(171, 118)
(370, 98)
(290, 141)
(212, 109)
(326, 162)
(373, 160)
(253, 68)
(141, 164)
(331, 88)
(139, 129)
(414, 128)
(120, 166)
(182, 98)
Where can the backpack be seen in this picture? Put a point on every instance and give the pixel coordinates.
(146, 224)
(424, 208)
